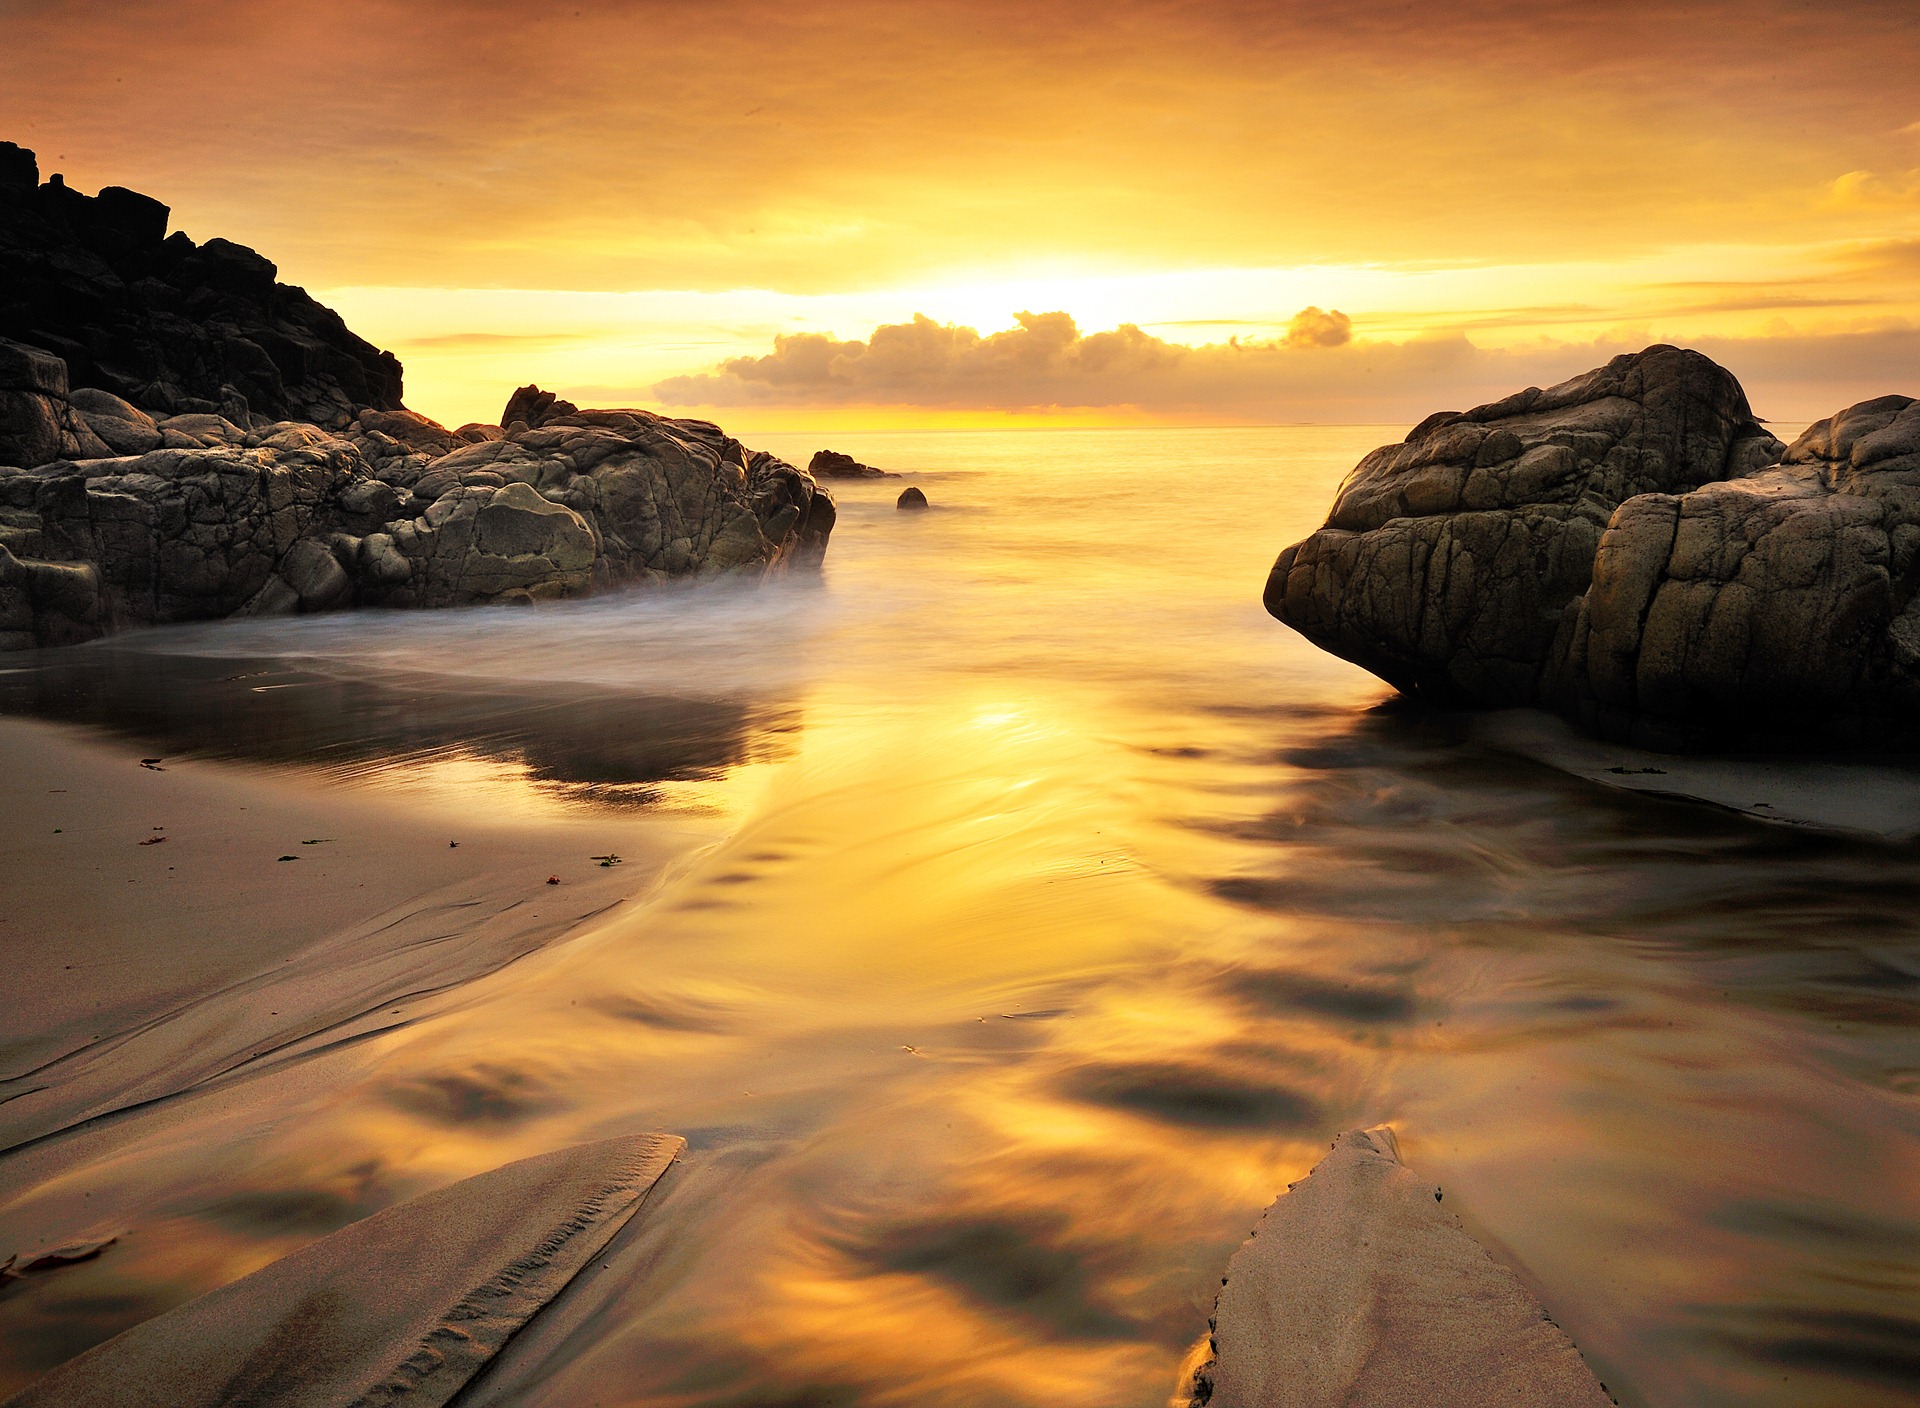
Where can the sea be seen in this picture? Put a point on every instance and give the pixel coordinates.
(1039, 908)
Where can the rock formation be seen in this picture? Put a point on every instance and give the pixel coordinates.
(171, 326)
(1632, 549)
(182, 438)
(831, 464)
(911, 499)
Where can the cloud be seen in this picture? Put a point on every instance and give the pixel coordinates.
(1046, 363)
(1312, 328)
(928, 363)
(1869, 190)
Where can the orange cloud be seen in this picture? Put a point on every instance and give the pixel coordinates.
(1046, 364)
(1312, 328)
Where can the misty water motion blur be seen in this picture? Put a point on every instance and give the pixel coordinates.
(1053, 908)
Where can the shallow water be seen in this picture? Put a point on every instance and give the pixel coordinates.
(1063, 907)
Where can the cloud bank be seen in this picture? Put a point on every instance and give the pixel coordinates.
(1317, 371)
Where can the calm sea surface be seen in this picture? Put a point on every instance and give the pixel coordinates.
(1055, 907)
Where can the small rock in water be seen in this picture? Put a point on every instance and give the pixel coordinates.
(912, 498)
(831, 464)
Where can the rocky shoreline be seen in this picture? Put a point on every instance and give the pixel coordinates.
(183, 438)
(1633, 550)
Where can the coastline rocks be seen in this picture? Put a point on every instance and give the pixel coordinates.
(1359, 1288)
(831, 464)
(1633, 550)
(1778, 606)
(1449, 561)
(183, 438)
(393, 511)
(911, 499)
(166, 324)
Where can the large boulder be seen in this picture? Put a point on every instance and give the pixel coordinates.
(1632, 549)
(1774, 608)
(37, 419)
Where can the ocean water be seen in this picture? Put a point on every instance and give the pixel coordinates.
(1048, 909)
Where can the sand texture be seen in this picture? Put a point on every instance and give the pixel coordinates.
(158, 968)
(403, 1307)
(1359, 1289)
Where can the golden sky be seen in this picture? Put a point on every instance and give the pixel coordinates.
(616, 198)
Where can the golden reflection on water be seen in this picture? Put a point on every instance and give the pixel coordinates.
(1061, 910)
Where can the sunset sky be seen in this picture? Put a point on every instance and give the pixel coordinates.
(834, 214)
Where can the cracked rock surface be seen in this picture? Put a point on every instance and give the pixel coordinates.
(392, 510)
(1634, 550)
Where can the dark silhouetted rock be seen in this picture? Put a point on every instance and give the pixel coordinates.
(831, 464)
(911, 499)
(164, 323)
(1631, 549)
(18, 166)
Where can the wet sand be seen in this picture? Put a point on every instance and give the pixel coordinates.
(178, 923)
(1030, 911)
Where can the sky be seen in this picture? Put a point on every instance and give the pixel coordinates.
(780, 215)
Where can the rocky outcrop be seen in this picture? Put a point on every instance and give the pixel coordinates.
(911, 499)
(393, 510)
(181, 438)
(1778, 607)
(1632, 549)
(168, 324)
(831, 464)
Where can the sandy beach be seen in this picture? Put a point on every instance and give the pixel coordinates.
(179, 922)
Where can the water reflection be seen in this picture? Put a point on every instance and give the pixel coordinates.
(581, 743)
(1081, 912)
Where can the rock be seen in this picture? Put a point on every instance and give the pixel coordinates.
(197, 507)
(121, 426)
(169, 325)
(33, 405)
(1774, 609)
(1358, 1287)
(530, 407)
(911, 498)
(831, 464)
(1449, 561)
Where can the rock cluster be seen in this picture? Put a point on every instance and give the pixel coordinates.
(167, 324)
(1632, 549)
(182, 438)
(393, 510)
(831, 464)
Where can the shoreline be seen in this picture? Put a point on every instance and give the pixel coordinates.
(160, 967)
